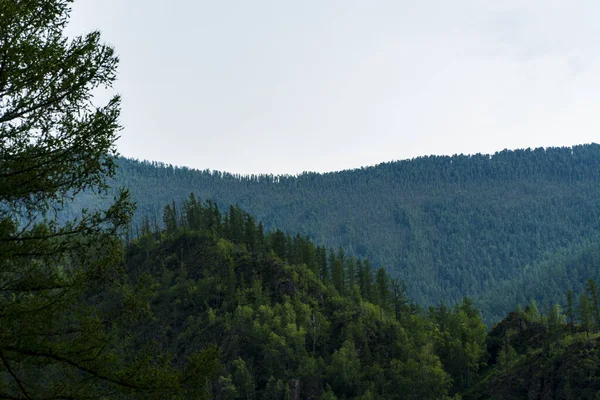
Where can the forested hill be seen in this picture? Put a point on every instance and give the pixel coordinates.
(450, 226)
(293, 320)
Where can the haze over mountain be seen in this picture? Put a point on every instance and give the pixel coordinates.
(450, 226)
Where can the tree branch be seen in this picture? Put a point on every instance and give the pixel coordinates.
(48, 354)
(15, 377)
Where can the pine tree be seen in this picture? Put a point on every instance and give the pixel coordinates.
(382, 288)
(337, 270)
(350, 274)
(250, 233)
(570, 309)
(592, 289)
(193, 212)
(585, 315)
(365, 280)
(278, 242)
(322, 262)
(531, 310)
(170, 218)
(399, 297)
(555, 321)
(60, 336)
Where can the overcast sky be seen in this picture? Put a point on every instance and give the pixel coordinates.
(287, 86)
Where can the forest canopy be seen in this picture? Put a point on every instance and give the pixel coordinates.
(199, 298)
(497, 228)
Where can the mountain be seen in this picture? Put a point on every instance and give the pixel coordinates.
(293, 323)
(289, 325)
(450, 226)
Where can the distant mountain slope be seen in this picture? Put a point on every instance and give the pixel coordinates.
(450, 226)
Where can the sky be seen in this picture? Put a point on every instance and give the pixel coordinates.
(276, 86)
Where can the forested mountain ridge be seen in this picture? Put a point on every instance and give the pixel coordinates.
(451, 226)
(211, 304)
(294, 320)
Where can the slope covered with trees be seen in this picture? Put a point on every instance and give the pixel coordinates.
(211, 304)
(294, 320)
(449, 226)
(542, 356)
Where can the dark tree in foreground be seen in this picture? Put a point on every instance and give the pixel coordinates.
(60, 285)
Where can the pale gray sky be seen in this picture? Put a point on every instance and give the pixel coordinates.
(287, 86)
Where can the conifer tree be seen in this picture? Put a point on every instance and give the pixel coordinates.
(585, 315)
(570, 314)
(170, 217)
(382, 288)
(322, 262)
(337, 270)
(555, 321)
(591, 288)
(66, 314)
(531, 310)
(350, 273)
(399, 297)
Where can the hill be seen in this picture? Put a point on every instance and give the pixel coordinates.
(291, 323)
(534, 357)
(450, 226)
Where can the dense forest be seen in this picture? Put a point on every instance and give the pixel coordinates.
(202, 299)
(294, 320)
(449, 226)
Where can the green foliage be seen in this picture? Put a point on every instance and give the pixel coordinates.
(570, 315)
(541, 356)
(68, 314)
(592, 290)
(420, 377)
(585, 312)
(499, 229)
(345, 369)
(285, 333)
(213, 305)
(460, 342)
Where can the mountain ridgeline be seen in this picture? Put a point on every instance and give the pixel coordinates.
(523, 221)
